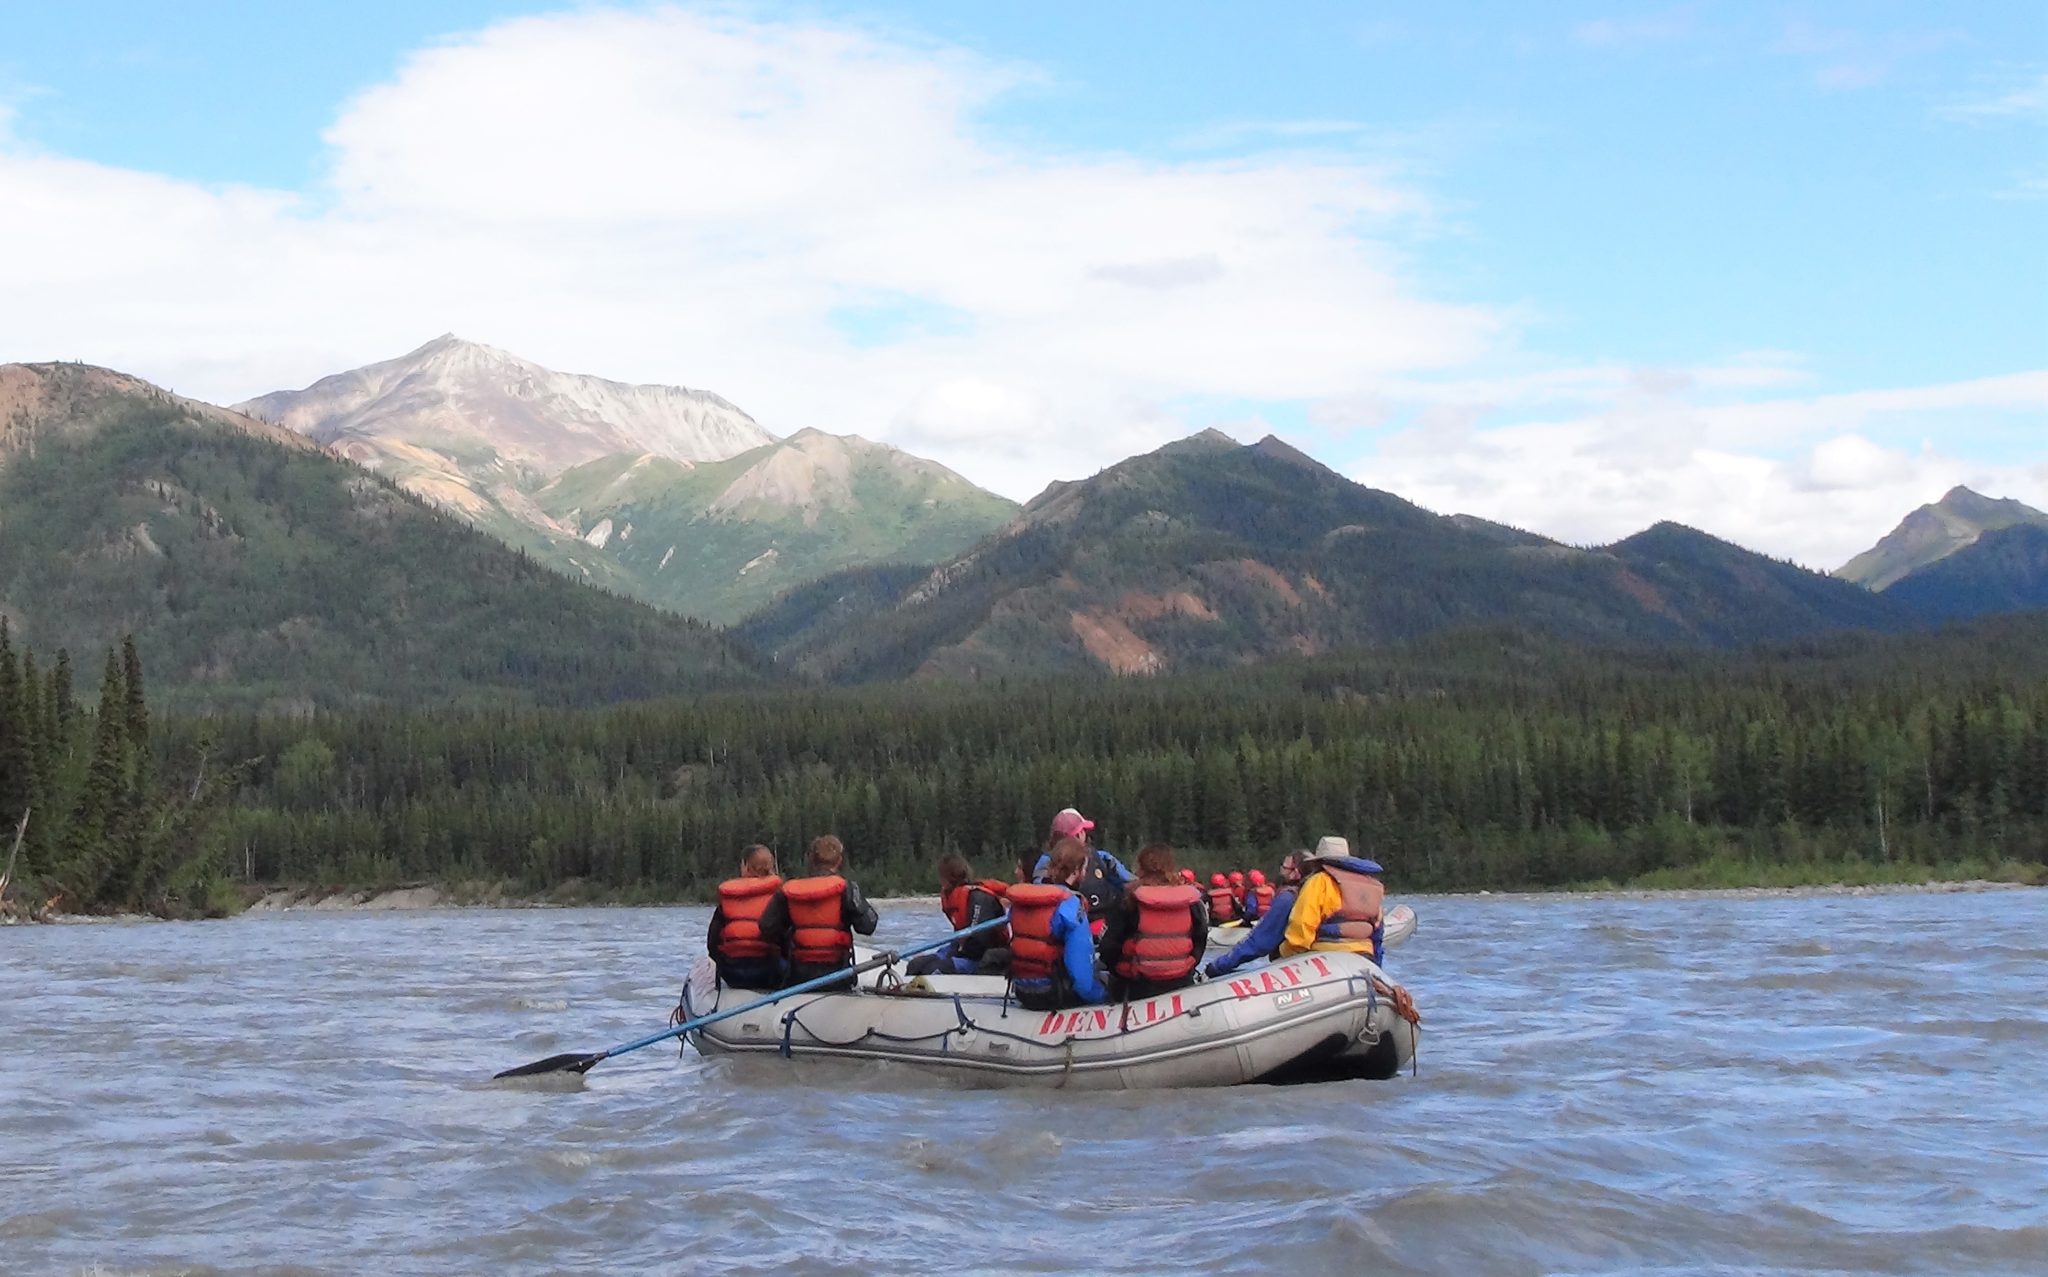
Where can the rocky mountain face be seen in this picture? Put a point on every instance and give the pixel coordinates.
(255, 568)
(43, 404)
(485, 408)
(1933, 532)
(1210, 554)
(671, 496)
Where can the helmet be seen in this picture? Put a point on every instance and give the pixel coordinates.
(1237, 877)
(1258, 878)
(1187, 875)
(1217, 880)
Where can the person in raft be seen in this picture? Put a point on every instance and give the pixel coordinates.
(1241, 892)
(1222, 901)
(1103, 877)
(1264, 941)
(1339, 906)
(967, 903)
(745, 940)
(1052, 951)
(825, 909)
(1260, 898)
(1157, 932)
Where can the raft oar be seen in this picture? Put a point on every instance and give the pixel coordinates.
(581, 1062)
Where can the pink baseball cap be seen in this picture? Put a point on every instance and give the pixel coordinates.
(1071, 824)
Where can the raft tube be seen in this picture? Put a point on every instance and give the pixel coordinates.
(1310, 1018)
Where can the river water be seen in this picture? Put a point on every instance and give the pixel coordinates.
(1785, 1084)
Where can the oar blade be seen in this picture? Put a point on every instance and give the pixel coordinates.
(572, 1062)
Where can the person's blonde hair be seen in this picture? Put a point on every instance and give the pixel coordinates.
(827, 853)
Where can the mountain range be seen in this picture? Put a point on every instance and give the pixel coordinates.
(661, 493)
(1209, 554)
(255, 567)
(380, 537)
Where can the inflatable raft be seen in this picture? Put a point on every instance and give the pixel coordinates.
(1310, 1018)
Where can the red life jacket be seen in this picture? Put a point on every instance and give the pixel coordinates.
(1163, 946)
(1359, 914)
(958, 905)
(741, 902)
(1264, 891)
(1222, 905)
(1034, 954)
(818, 934)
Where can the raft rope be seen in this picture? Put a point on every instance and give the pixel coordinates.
(1402, 1001)
(793, 1020)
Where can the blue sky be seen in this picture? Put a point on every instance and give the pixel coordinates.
(1717, 205)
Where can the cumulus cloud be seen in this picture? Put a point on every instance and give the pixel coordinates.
(814, 220)
(1806, 477)
(675, 196)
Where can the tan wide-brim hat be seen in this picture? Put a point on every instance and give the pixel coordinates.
(1330, 848)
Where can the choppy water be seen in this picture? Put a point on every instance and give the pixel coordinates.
(1831, 1084)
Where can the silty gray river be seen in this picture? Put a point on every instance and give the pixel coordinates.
(1685, 1085)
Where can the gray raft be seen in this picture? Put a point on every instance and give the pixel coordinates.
(1310, 1018)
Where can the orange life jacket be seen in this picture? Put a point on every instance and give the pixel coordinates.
(818, 934)
(1359, 914)
(1264, 891)
(1034, 954)
(741, 902)
(1163, 947)
(1222, 905)
(957, 902)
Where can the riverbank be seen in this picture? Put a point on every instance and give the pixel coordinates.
(1715, 878)
(469, 896)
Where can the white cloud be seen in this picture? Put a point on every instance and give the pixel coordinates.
(1800, 477)
(2026, 101)
(668, 196)
(671, 196)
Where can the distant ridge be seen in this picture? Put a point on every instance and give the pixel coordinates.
(1210, 554)
(256, 569)
(668, 495)
(2004, 570)
(1933, 532)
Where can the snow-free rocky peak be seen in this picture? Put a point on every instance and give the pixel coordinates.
(484, 407)
(1934, 532)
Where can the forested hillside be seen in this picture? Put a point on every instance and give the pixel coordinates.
(2005, 570)
(259, 572)
(1485, 758)
(1207, 555)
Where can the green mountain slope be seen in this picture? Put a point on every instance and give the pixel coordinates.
(1933, 532)
(1210, 554)
(720, 539)
(254, 568)
(2001, 571)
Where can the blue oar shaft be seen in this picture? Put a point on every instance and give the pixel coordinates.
(805, 987)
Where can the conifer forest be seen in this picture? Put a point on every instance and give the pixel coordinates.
(1488, 759)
